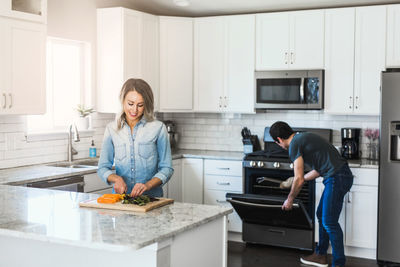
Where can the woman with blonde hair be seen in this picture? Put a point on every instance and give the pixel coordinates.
(138, 144)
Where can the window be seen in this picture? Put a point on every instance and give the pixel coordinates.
(68, 84)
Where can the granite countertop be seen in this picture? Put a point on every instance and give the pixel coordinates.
(363, 163)
(21, 175)
(55, 216)
(207, 154)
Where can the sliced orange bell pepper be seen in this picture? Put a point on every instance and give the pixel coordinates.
(109, 198)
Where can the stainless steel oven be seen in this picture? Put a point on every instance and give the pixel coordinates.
(260, 207)
(289, 89)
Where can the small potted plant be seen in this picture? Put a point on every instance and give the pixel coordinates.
(83, 121)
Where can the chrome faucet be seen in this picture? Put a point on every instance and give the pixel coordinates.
(71, 150)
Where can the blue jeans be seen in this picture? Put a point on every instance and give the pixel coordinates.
(328, 213)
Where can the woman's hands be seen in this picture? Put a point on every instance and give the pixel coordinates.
(139, 189)
(119, 183)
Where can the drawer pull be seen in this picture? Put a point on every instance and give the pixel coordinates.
(223, 183)
(224, 169)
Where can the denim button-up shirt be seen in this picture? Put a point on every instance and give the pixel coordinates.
(139, 155)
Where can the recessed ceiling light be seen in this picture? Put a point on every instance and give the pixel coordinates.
(181, 2)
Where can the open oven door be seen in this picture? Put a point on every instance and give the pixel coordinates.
(265, 222)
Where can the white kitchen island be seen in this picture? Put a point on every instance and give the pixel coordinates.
(41, 227)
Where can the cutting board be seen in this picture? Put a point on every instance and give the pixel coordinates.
(92, 203)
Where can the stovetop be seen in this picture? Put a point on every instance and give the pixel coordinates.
(273, 156)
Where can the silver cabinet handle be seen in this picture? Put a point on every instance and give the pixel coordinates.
(351, 103)
(10, 95)
(286, 58)
(349, 197)
(292, 58)
(356, 102)
(220, 168)
(223, 183)
(220, 101)
(225, 102)
(5, 100)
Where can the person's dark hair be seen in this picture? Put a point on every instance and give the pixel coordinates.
(280, 129)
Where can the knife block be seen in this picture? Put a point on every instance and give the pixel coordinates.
(251, 144)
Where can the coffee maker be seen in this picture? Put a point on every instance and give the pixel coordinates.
(172, 134)
(350, 143)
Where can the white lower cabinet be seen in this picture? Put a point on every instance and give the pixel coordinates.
(192, 180)
(173, 189)
(221, 177)
(359, 214)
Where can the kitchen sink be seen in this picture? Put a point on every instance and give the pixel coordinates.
(67, 165)
(88, 162)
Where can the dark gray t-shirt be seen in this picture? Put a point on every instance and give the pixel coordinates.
(317, 153)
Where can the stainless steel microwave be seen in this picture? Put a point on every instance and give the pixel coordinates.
(289, 89)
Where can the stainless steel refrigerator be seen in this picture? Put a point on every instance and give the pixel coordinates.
(389, 170)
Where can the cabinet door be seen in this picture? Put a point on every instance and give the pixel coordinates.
(110, 59)
(369, 58)
(4, 69)
(307, 40)
(393, 36)
(175, 183)
(272, 41)
(240, 45)
(339, 60)
(176, 64)
(361, 216)
(319, 188)
(30, 10)
(192, 179)
(209, 62)
(27, 46)
(217, 197)
(150, 64)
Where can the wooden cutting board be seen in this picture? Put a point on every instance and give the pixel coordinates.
(92, 203)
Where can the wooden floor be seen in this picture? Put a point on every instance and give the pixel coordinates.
(242, 255)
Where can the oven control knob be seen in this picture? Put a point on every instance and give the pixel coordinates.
(291, 165)
(260, 164)
(252, 163)
(276, 165)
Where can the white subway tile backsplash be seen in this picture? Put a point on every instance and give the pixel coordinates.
(196, 131)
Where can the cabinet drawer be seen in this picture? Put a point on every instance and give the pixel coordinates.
(217, 197)
(220, 182)
(93, 183)
(223, 167)
(364, 176)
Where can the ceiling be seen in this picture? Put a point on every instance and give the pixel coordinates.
(198, 8)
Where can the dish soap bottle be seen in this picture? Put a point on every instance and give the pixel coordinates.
(92, 150)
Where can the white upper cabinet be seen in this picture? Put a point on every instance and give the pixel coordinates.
(240, 51)
(393, 36)
(224, 64)
(290, 40)
(209, 44)
(339, 60)
(176, 64)
(128, 47)
(22, 67)
(370, 45)
(31, 10)
(354, 59)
